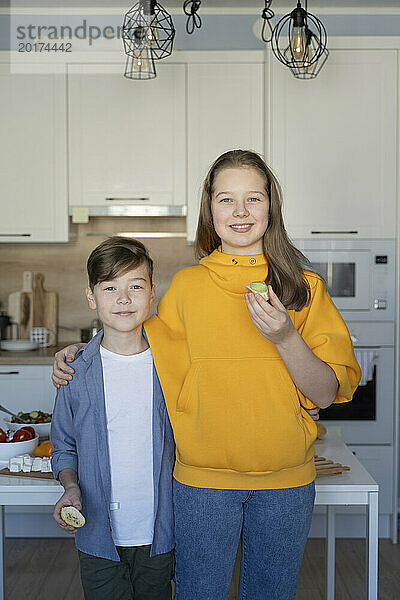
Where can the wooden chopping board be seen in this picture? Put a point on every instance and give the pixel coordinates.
(45, 306)
(16, 299)
(36, 474)
(38, 308)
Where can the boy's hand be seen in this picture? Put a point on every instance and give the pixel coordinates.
(71, 497)
(59, 377)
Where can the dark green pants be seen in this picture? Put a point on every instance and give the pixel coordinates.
(137, 576)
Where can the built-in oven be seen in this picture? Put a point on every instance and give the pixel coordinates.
(368, 418)
(359, 275)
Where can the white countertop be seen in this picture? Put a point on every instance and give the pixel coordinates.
(23, 490)
(357, 479)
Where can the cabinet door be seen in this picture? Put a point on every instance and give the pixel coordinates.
(333, 145)
(127, 139)
(33, 157)
(26, 387)
(225, 111)
(378, 460)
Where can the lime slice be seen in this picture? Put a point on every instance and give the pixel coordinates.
(259, 286)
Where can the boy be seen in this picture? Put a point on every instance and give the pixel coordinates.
(113, 442)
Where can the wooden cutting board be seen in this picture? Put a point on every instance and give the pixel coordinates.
(36, 474)
(45, 306)
(15, 301)
(38, 308)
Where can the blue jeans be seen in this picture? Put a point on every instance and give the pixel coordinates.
(208, 523)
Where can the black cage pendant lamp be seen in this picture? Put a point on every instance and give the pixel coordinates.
(299, 42)
(309, 70)
(148, 34)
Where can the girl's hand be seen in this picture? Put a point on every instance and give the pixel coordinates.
(313, 412)
(60, 367)
(271, 319)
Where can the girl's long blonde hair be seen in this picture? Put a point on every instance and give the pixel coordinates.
(286, 264)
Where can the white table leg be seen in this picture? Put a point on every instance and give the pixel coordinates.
(330, 552)
(2, 590)
(372, 546)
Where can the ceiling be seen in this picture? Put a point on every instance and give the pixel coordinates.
(251, 4)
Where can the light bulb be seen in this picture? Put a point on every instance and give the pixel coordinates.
(309, 51)
(298, 42)
(140, 63)
(152, 35)
(149, 23)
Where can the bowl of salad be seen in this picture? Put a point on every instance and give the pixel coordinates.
(39, 420)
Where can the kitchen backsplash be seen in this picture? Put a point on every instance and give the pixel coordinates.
(64, 265)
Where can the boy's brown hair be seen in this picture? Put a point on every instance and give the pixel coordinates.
(115, 256)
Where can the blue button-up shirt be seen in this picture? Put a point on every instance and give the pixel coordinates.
(79, 437)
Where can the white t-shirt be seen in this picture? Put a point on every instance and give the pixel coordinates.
(128, 388)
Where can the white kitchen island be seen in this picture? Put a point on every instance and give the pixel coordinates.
(355, 487)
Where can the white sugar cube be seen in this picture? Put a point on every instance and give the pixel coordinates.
(28, 460)
(26, 468)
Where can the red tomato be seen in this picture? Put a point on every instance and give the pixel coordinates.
(22, 435)
(3, 437)
(30, 429)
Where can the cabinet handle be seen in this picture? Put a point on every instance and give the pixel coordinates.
(127, 199)
(334, 232)
(15, 234)
(9, 372)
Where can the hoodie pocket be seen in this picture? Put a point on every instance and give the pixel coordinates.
(188, 388)
(239, 414)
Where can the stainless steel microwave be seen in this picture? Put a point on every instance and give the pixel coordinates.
(359, 274)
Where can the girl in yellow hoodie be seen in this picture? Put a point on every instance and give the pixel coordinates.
(239, 374)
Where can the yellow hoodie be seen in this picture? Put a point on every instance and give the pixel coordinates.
(236, 413)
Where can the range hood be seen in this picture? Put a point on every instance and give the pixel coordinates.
(135, 210)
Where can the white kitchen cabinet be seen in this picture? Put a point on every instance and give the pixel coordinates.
(378, 460)
(333, 145)
(26, 387)
(225, 112)
(33, 157)
(127, 139)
